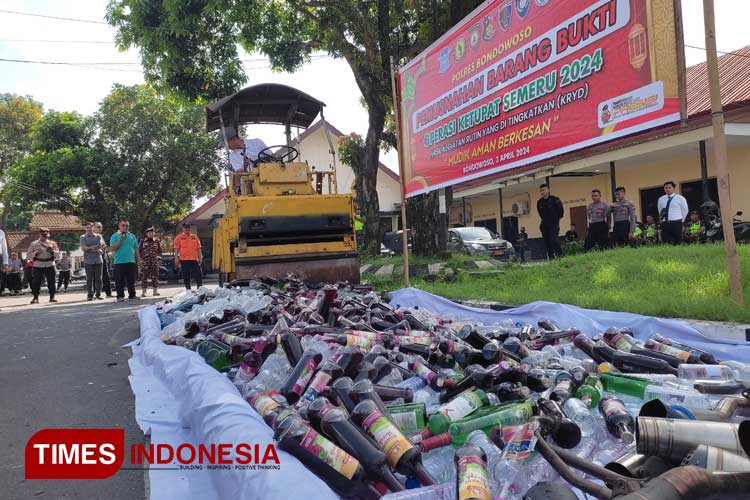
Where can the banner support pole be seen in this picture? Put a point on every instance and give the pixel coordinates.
(720, 154)
(397, 117)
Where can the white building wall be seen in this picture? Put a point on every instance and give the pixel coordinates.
(315, 150)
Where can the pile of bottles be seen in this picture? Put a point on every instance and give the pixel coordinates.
(379, 400)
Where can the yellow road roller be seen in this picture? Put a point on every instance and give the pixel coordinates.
(281, 215)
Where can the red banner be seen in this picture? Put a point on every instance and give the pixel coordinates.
(519, 81)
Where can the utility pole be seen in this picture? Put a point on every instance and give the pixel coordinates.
(720, 154)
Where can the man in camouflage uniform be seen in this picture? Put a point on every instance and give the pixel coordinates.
(150, 249)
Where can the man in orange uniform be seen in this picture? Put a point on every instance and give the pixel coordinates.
(188, 256)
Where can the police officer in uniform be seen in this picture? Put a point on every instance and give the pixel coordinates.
(623, 213)
(598, 215)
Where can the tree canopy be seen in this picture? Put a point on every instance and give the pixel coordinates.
(190, 48)
(141, 157)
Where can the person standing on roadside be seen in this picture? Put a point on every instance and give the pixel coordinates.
(673, 210)
(43, 253)
(63, 275)
(188, 256)
(521, 245)
(125, 248)
(623, 214)
(598, 214)
(150, 249)
(106, 281)
(92, 245)
(15, 268)
(550, 211)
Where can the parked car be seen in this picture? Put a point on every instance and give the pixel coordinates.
(479, 241)
(78, 274)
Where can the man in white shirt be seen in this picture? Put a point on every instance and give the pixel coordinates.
(673, 210)
(242, 153)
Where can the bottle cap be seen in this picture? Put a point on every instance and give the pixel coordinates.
(438, 441)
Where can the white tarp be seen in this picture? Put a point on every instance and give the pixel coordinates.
(180, 399)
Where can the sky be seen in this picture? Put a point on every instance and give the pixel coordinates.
(80, 88)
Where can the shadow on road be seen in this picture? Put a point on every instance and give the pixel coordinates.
(64, 366)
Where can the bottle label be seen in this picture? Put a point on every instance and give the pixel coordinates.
(316, 386)
(388, 437)
(521, 441)
(462, 405)
(706, 372)
(366, 335)
(361, 342)
(620, 342)
(332, 455)
(472, 479)
(665, 349)
(423, 372)
(611, 407)
(412, 340)
(304, 377)
(406, 421)
(264, 404)
(564, 386)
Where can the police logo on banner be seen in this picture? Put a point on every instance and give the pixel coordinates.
(522, 8)
(489, 29)
(506, 14)
(541, 3)
(460, 50)
(445, 59)
(474, 35)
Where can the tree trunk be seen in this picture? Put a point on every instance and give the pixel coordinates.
(422, 213)
(370, 204)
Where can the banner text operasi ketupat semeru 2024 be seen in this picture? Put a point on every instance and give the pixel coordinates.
(519, 81)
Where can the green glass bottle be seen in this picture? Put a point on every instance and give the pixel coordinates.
(590, 392)
(503, 415)
(408, 417)
(459, 407)
(624, 385)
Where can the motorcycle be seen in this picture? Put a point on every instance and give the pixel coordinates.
(714, 229)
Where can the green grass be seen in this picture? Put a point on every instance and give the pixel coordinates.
(684, 282)
(455, 260)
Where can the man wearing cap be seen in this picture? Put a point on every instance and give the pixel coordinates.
(242, 153)
(43, 253)
(188, 256)
(124, 245)
(150, 249)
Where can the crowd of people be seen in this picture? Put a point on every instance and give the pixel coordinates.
(615, 224)
(128, 255)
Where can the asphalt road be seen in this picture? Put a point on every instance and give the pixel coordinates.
(62, 366)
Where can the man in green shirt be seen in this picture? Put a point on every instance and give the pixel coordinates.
(124, 246)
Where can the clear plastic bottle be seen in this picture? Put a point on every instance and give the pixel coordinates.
(673, 395)
(273, 372)
(691, 373)
(579, 412)
(427, 396)
(439, 463)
